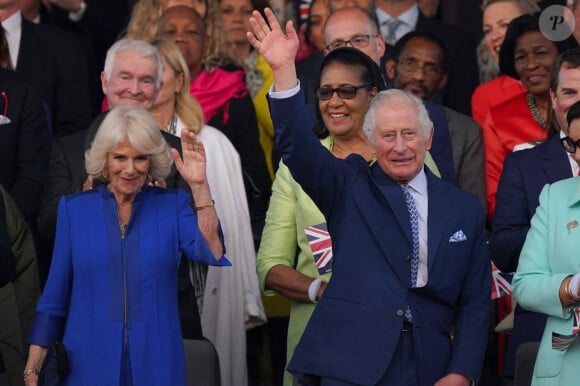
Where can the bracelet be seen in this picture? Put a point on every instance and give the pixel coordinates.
(313, 290)
(30, 371)
(205, 206)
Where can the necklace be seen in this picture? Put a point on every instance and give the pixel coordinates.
(538, 117)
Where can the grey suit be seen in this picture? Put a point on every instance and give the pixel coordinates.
(468, 154)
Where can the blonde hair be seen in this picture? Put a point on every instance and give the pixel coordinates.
(144, 22)
(138, 127)
(186, 107)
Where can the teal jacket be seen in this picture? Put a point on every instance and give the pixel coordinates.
(549, 255)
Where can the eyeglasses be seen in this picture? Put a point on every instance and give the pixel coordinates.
(357, 41)
(570, 145)
(411, 65)
(344, 92)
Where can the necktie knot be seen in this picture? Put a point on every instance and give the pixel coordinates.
(392, 25)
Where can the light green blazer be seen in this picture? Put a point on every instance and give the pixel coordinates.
(550, 253)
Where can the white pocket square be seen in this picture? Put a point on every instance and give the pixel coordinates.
(457, 237)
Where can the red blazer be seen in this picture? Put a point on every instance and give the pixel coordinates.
(493, 93)
(506, 125)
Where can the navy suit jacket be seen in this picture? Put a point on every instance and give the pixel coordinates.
(524, 175)
(355, 328)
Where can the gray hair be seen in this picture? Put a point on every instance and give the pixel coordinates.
(140, 47)
(384, 100)
(133, 124)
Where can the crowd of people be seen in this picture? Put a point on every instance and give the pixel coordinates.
(320, 188)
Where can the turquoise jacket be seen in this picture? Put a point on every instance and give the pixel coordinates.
(549, 255)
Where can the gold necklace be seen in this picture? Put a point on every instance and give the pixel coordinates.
(536, 115)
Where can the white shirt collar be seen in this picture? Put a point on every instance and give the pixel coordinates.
(409, 17)
(13, 28)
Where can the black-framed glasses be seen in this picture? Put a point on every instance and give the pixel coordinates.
(357, 41)
(569, 145)
(411, 65)
(345, 92)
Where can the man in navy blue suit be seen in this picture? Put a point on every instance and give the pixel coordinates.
(344, 27)
(410, 293)
(524, 175)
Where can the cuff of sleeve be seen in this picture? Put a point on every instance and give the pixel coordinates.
(76, 16)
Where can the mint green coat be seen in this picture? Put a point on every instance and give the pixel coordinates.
(551, 252)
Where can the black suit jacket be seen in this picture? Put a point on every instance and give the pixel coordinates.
(54, 61)
(524, 175)
(23, 143)
(461, 63)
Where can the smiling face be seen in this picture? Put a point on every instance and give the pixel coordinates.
(567, 93)
(533, 59)
(496, 18)
(236, 18)
(127, 169)
(400, 145)
(344, 117)
(132, 81)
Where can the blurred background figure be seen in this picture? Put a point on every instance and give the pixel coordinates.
(19, 289)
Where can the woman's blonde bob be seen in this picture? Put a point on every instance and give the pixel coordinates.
(133, 124)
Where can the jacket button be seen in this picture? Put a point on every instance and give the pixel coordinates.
(400, 312)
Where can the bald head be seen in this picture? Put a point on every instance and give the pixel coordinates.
(350, 22)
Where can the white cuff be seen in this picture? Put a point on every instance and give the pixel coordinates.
(313, 290)
(76, 16)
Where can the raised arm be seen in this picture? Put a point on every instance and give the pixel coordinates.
(192, 169)
(278, 48)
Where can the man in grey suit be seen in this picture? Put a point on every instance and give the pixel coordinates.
(419, 66)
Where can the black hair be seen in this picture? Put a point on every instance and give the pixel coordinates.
(517, 27)
(371, 74)
(402, 44)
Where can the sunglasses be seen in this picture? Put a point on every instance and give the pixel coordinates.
(344, 92)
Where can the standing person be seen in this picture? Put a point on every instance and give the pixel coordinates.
(231, 297)
(20, 292)
(524, 175)
(112, 281)
(419, 66)
(286, 263)
(547, 279)
(391, 303)
(54, 62)
(497, 14)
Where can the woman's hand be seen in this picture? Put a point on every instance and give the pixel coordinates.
(192, 165)
(278, 49)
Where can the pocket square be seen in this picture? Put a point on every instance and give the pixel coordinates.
(457, 237)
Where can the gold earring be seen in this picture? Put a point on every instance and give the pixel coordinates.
(149, 177)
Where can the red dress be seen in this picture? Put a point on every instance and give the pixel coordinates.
(493, 93)
(506, 125)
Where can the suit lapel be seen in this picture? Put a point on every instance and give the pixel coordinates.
(556, 164)
(438, 214)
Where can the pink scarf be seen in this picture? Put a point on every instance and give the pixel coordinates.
(213, 90)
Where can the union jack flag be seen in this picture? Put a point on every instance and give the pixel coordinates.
(321, 246)
(501, 284)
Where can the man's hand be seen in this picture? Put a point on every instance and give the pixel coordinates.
(454, 379)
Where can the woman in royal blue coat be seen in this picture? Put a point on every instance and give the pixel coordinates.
(110, 296)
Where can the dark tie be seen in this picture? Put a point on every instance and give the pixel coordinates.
(414, 219)
(392, 26)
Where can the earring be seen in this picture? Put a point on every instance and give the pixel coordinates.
(105, 175)
(149, 177)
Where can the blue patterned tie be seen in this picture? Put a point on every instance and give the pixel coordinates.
(414, 219)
